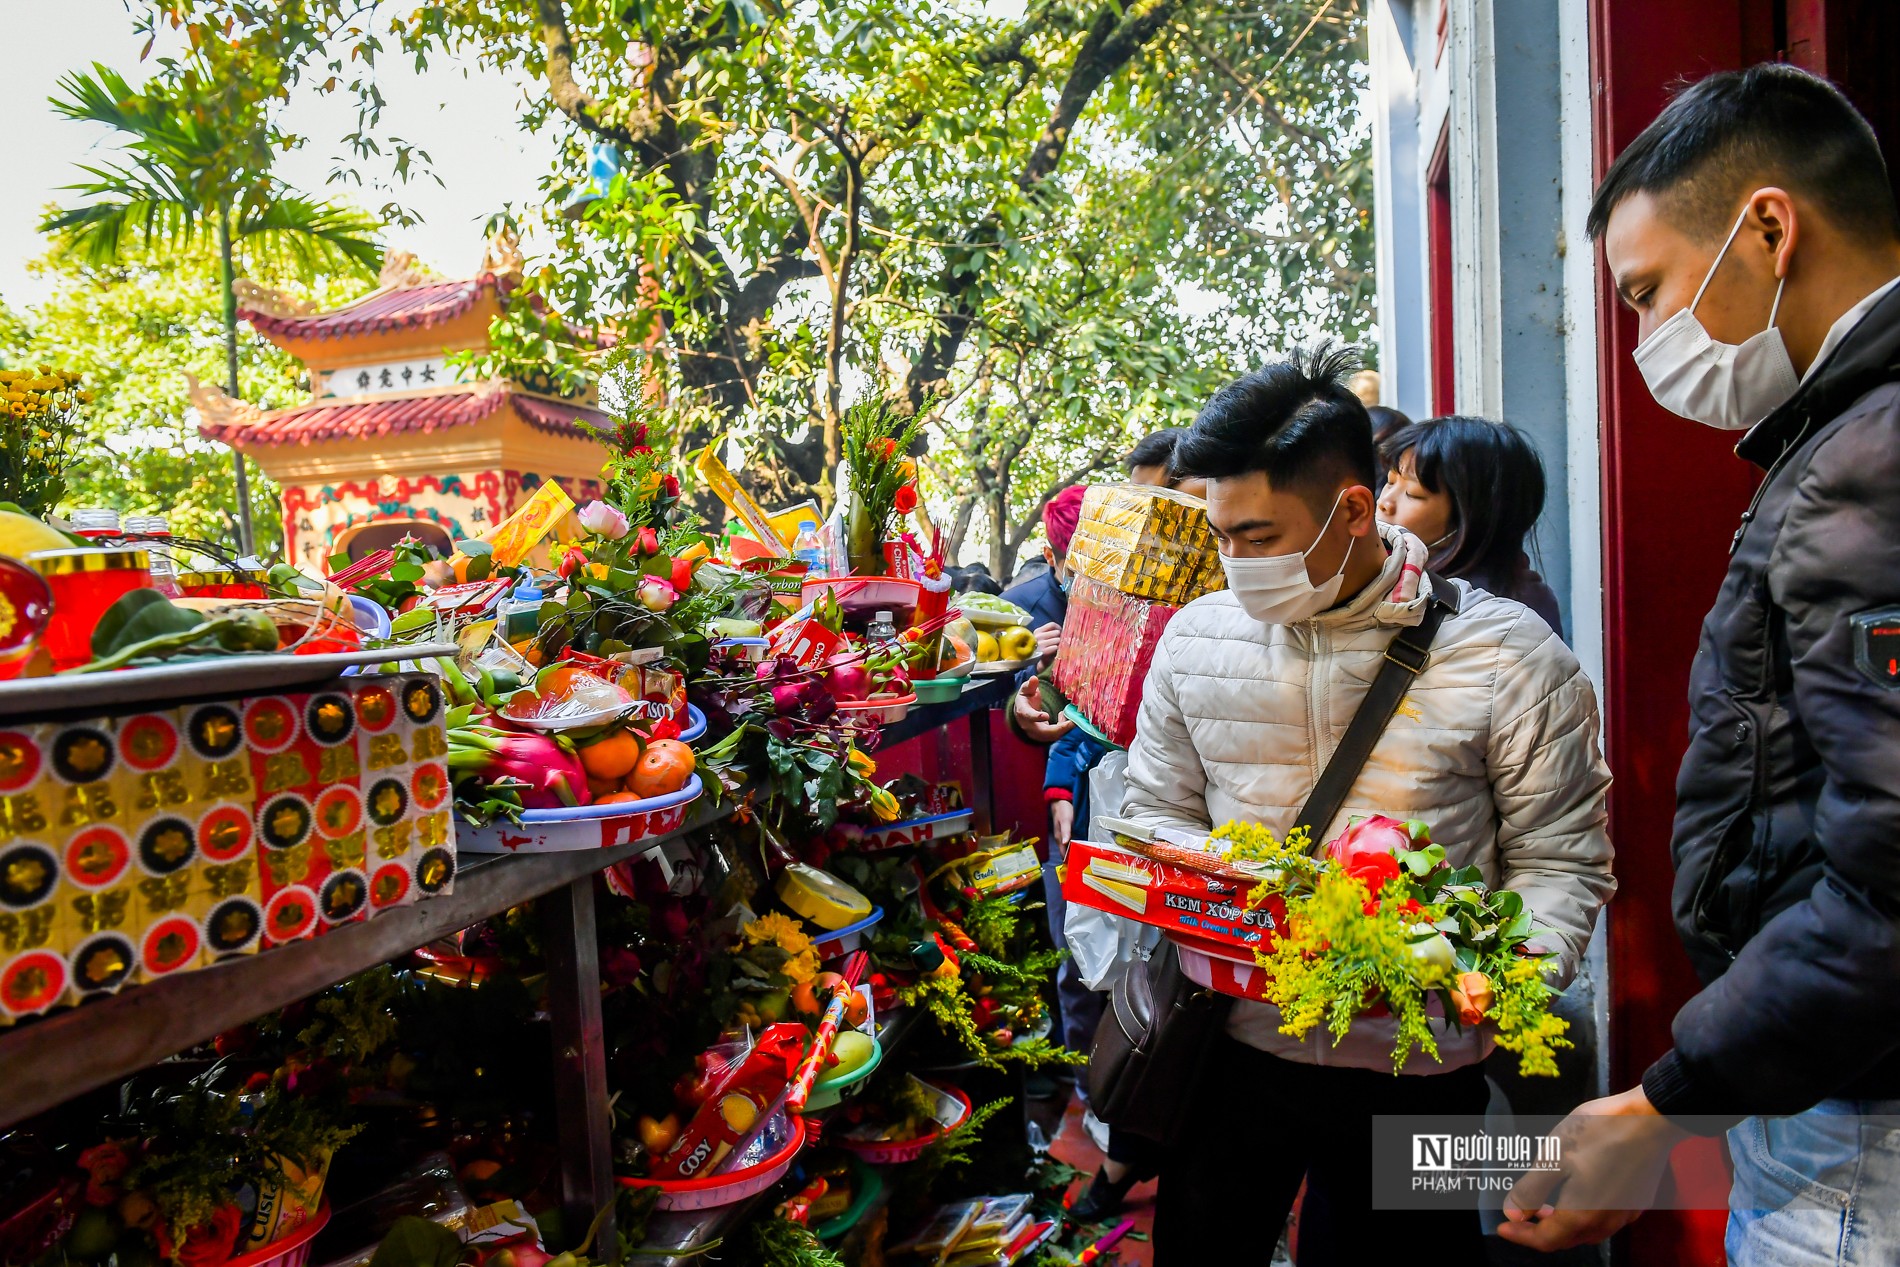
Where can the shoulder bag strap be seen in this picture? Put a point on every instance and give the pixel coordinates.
(1405, 659)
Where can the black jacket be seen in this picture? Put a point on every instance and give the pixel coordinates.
(1787, 831)
(1041, 597)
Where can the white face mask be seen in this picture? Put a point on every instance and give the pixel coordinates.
(1728, 385)
(1276, 590)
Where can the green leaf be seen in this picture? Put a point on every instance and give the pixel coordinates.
(475, 548)
(137, 616)
(406, 573)
(417, 1242)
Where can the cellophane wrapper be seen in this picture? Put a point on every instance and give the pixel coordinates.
(1108, 641)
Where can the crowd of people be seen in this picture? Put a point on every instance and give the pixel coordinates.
(1752, 229)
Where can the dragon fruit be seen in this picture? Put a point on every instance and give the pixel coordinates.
(540, 771)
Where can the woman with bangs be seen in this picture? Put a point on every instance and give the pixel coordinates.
(1472, 490)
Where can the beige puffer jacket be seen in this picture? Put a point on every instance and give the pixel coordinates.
(1495, 746)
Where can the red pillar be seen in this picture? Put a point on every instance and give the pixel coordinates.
(1672, 493)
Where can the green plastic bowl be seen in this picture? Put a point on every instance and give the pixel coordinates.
(939, 690)
(867, 1188)
(827, 1092)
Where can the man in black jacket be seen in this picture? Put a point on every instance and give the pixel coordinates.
(1752, 228)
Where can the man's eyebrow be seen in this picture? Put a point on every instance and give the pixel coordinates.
(1248, 525)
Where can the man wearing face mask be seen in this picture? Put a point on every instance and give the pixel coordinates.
(1752, 229)
(1250, 692)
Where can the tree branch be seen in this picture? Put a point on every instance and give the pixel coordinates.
(576, 102)
(1113, 39)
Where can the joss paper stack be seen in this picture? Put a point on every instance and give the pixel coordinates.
(1108, 641)
(1146, 542)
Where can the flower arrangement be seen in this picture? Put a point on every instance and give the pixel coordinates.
(637, 481)
(883, 479)
(165, 1186)
(1379, 919)
(39, 420)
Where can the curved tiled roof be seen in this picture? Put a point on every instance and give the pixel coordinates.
(407, 308)
(362, 420)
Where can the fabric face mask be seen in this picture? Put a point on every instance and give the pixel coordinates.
(1732, 386)
(1276, 590)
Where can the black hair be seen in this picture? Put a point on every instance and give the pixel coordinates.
(1495, 481)
(1154, 449)
(1294, 420)
(1729, 131)
(1385, 422)
(975, 578)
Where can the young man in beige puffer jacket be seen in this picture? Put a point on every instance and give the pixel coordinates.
(1495, 745)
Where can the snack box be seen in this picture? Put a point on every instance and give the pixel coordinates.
(1152, 543)
(1176, 899)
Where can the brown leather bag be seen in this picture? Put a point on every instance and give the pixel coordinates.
(1159, 1027)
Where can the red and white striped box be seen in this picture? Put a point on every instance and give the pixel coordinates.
(1176, 899)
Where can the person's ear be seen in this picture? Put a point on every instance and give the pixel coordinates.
(1360, 506)
(1773, 220)
(1049, 556)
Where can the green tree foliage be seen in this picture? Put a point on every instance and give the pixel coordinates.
(991, 209)
(135, 329)
(197, 146)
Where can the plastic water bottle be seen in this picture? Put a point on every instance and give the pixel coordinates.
(809, 549)
(164, 572)
(882, 631)
(521, 614)
(93, 522)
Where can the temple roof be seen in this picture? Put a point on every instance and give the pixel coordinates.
(231, 422)
(400, 308)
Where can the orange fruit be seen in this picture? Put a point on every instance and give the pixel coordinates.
(615, 798)
(611, 757)
(598, 788)
(663, 769)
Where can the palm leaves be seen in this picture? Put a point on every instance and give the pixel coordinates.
(176, 180)
(192, 176)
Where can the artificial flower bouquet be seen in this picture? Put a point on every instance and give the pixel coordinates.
(1378, 921)
(878, 437)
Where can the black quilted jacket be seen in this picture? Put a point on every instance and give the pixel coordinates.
(1787, 831)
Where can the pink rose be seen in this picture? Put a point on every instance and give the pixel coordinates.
(655, 594)
(603, 521)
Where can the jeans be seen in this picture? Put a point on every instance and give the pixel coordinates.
(1079, 1007)
(1821, 1187)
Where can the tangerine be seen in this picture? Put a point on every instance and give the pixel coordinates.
(663, 769)
(615, 798)
(611, 757)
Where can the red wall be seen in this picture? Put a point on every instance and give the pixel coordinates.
(1673, 491)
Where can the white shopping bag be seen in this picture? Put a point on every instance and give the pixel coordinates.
(1103, 944)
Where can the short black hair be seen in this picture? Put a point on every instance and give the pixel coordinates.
(1386, 422)
(1154, 449)
(1295, 420)
(1729, 131)
(1495, 480)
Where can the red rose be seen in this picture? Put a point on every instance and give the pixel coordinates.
(638, 435)
(571, 560)
(670, 485)
(105, 1164)
(1373, 870)
(648, 542)
(1377, 834)
(206, 1245)
(906, 499)
(682, 574)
